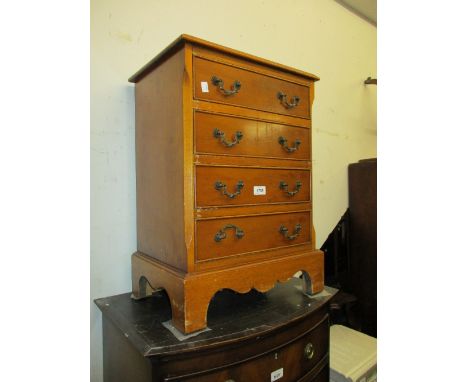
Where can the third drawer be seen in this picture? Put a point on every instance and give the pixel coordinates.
(226, 186)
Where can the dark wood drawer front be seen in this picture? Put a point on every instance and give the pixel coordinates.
(291, 361)
(225, 186)
(323, 375)
(218, 134)
(256, 91)
(218, 238)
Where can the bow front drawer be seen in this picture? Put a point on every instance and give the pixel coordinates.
(222, 237)
(227, 84)
(303, 359)
(220, 134)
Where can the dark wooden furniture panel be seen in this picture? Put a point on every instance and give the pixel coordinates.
(291, 360)
(121, 360)
(256, 91)
(217, 238)
(228, 135)
(363, 240)
(251, 336)
(225, 186)
(320, 375)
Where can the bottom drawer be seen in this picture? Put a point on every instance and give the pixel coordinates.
(223, 237)
(303, 359)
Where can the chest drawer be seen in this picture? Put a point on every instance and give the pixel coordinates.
(220, 134)
(303, 358)
(222, 83)
(226, 186)
(217, 238)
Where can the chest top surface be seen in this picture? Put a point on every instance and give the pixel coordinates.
(185, 38)
(231, 316)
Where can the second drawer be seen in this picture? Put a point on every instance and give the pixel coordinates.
(224, 186)
(237, 136)
(217, 238)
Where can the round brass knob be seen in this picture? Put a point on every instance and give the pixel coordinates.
(309, 351)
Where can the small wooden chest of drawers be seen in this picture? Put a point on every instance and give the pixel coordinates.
(223, 168)
(281, 335)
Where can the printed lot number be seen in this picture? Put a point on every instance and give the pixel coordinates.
(277, 374)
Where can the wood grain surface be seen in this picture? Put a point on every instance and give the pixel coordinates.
(259, 139)
(257, 91)
(190, 294)
(269, 179)
(201, 44)
(160, 176)
(290, 359)
(261, 232)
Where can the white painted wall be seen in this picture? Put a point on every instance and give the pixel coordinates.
(318, 36)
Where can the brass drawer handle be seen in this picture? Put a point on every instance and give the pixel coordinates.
(284, 231)
(284, 187)
(220, 186)
(288, 105)
(221, 234)
(309, 351)
(218, 82)
(284, 143)
(218, 134)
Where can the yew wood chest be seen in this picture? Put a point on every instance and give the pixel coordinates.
(223, 170)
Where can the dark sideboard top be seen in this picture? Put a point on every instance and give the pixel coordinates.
(231, 316)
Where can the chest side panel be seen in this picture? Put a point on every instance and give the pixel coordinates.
(159, 148)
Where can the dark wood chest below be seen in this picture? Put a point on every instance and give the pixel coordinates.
(281, 335)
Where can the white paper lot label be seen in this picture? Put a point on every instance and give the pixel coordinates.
(204, 87)
(259, 190)
(277, 374)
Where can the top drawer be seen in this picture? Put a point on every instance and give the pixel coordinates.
(301, 359)
(240, 87)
